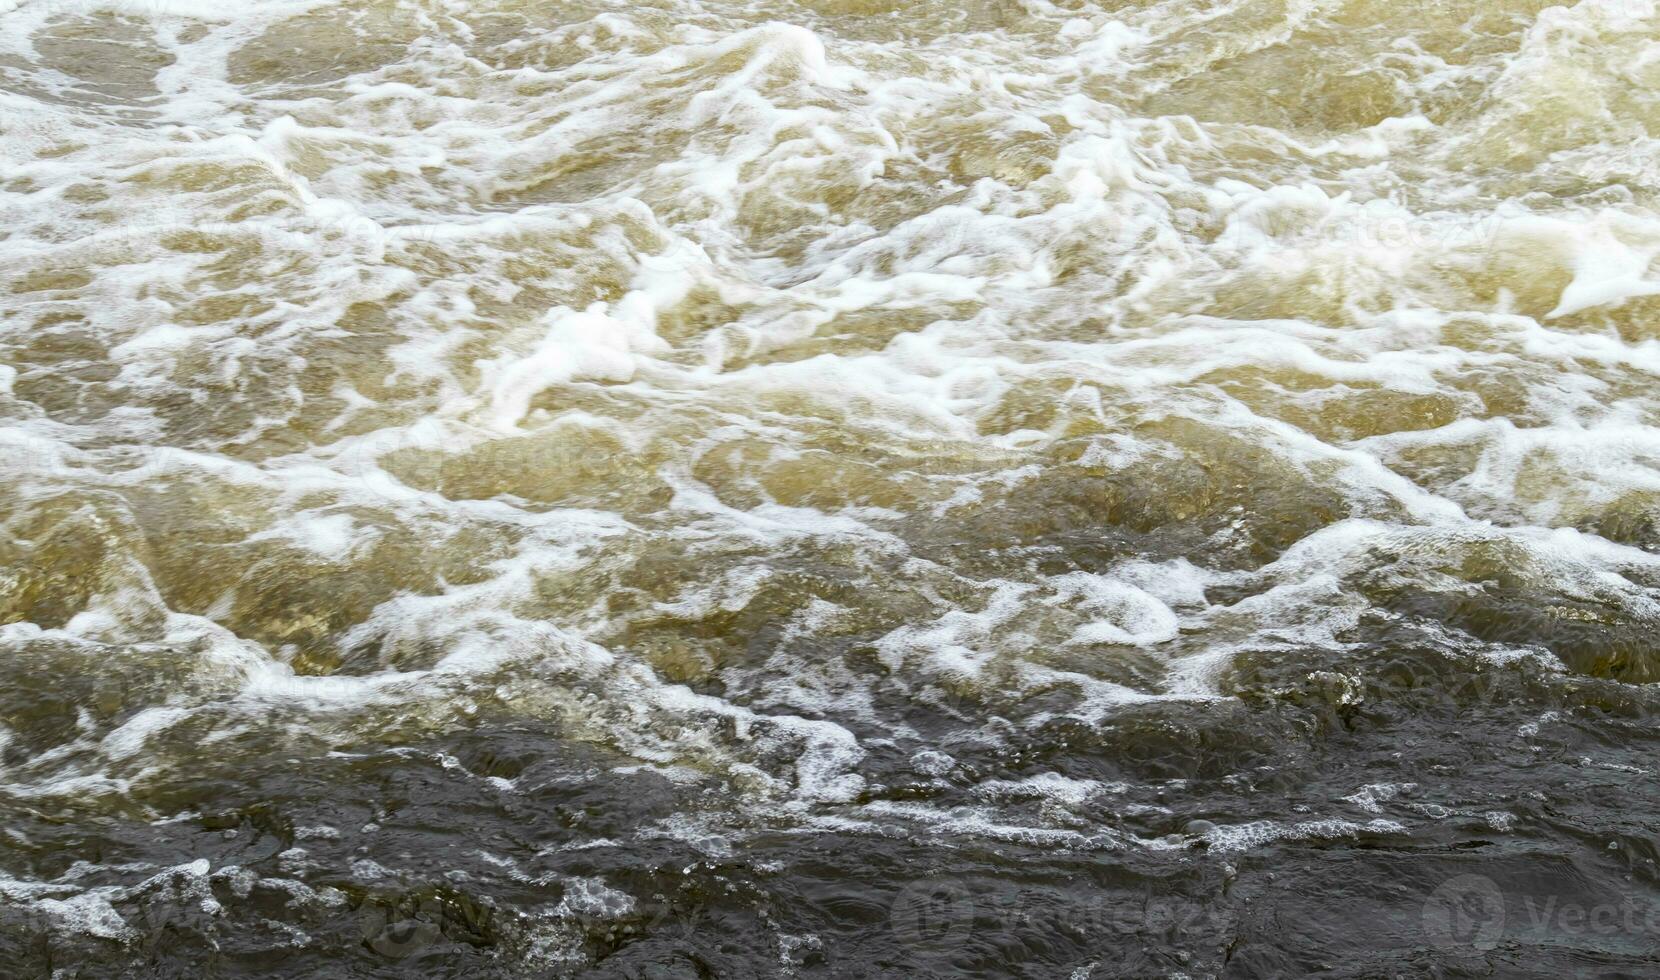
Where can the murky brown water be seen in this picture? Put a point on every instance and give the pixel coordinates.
(835, 488)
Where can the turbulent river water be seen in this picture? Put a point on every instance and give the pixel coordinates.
(829, 488)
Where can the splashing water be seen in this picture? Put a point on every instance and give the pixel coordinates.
(828, 488)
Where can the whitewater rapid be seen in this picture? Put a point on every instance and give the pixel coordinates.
(830, 407)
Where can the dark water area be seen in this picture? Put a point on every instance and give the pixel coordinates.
(1531, 851)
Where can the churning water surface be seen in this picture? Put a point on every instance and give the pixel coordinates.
(829, 488)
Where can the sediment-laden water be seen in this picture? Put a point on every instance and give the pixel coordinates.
(837, 488)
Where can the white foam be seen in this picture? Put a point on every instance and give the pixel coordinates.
(953, 262)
